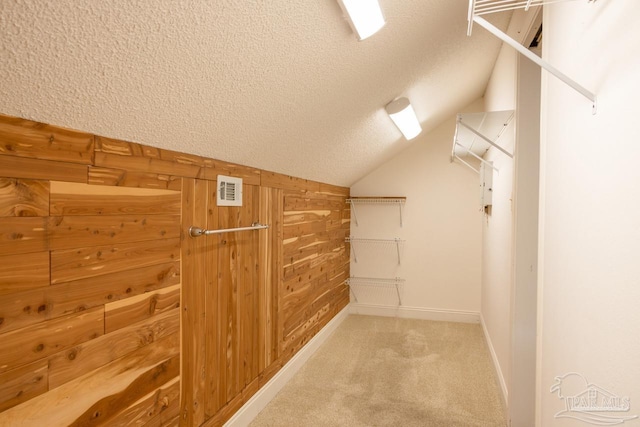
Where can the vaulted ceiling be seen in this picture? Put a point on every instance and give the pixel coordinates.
(279, 85)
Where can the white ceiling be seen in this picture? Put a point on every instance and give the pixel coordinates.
(279, 85)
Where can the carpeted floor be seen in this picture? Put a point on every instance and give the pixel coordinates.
(380, 371)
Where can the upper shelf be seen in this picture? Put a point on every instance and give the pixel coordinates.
(399, 201)
(485, 7)
(477, 132)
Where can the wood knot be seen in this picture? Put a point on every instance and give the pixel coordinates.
(152, 304)
(164, 402)
(39, 348)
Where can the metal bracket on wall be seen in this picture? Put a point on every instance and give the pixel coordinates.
(483, 7)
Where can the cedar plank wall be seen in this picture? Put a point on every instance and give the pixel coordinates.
(111, 314)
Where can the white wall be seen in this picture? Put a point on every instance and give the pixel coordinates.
(441, 262)
(525, 246)
(589, 274)
(497, 227)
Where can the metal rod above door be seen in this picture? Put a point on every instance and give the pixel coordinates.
(197, 231)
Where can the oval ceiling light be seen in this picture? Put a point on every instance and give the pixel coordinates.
(402, 114)
(365, 16)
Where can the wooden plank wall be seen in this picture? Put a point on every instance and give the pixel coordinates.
(111, 314)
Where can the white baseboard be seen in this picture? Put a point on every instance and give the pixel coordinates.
(496, 365)
(257, 403)
(415, 313)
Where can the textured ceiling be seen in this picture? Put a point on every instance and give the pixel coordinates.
(279, 85)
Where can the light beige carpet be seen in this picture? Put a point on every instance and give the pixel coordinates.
(377, 371)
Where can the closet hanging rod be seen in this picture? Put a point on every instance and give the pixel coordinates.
(533, 57)
(197, 231)
(484, 137)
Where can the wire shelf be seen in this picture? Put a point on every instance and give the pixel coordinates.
(397, 243)
(376, 282)
(483, 7)
(353, 201)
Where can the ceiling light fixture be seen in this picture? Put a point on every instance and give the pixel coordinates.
(365, 16)
(402, 114)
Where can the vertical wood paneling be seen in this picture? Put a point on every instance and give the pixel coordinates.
(270, 256)
(194, 203)
(231, 276)
(213, 333)
(249, 295)
(224, 320)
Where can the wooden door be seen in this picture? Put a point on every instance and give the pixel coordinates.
(229, 299)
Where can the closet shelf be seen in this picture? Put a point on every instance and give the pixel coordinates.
(377, 242)
(477, 8)
(476, 132)
(353, 201)
(375, 282)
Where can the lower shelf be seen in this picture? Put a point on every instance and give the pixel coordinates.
(355, 282)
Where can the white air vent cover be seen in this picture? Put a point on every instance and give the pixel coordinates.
(229, 191)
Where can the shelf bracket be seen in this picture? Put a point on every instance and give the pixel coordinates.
(536, 59)
(353, 250)
(398, 293)
(398, 249)
(355, 297)
(353, 211)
